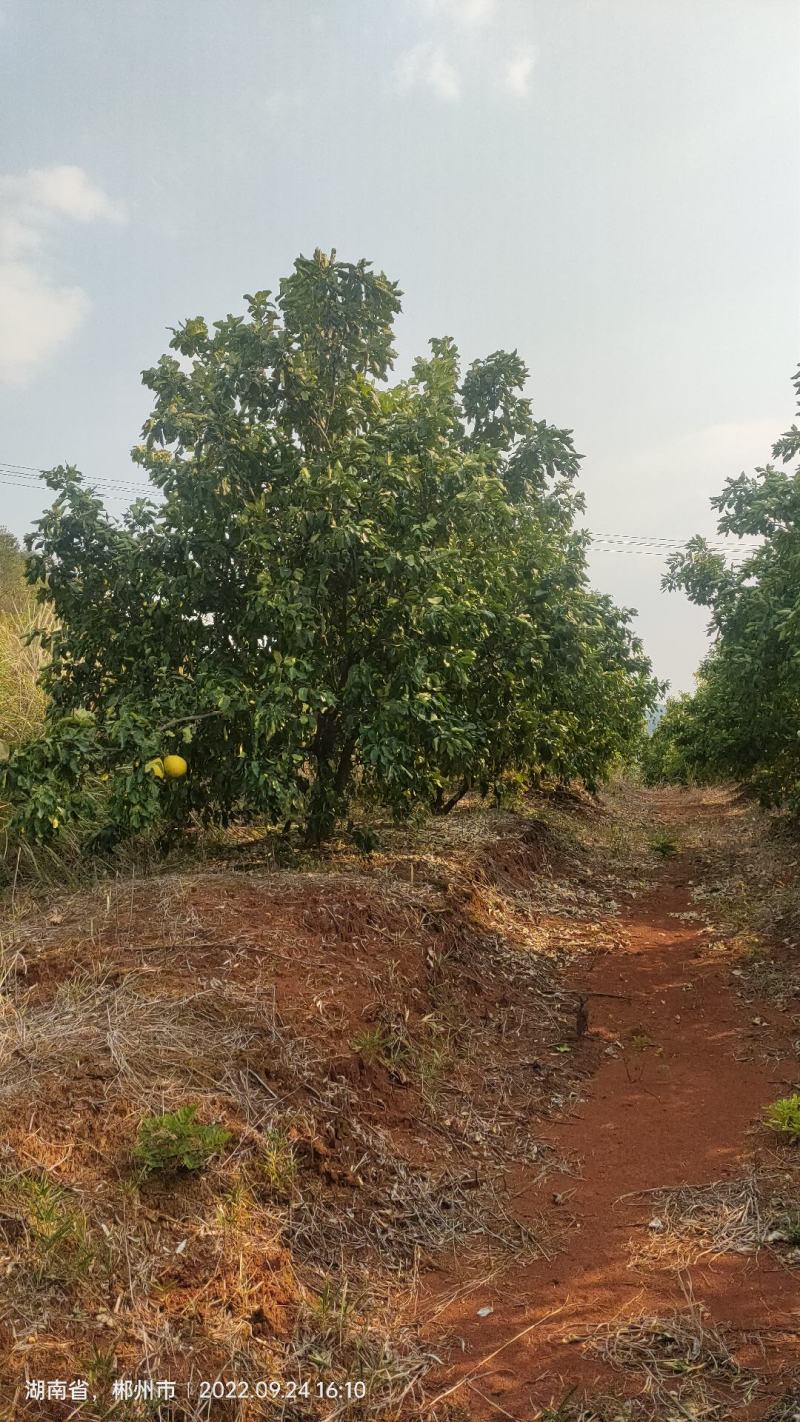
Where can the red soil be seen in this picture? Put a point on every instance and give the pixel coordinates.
(675, 1107)
(331, 956)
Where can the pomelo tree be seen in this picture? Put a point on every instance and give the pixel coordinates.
(744, 721)
(347, 586)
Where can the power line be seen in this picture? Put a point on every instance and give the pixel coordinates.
(635, 538)
(32, 476)
(28, 476)
(642, 543)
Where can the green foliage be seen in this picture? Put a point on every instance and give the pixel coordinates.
(668, 756)
(783, 1117)
(278, 1162)
(665, 844)
(55, 1228)
(384, 1045)
(349, 587)
(744, 720)
(12, 572)
(176, 1140)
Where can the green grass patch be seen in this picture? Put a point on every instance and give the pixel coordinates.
(177, 1141)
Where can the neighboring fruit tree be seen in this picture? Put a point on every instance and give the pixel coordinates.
(350, 586)
(744, 719)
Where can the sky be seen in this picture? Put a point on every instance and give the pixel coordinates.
(611, 187)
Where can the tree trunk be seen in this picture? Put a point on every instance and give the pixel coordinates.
(443, 807)
(332, 759)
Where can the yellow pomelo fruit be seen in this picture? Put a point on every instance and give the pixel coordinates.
(156, 768)
(174, 766)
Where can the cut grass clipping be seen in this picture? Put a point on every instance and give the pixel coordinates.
(783, 1117)
(176, 1140)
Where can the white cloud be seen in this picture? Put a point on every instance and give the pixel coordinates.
(518, 72)
(442, 76)
(67, 190)
(35, 319)
(36, 314)
(469, 13)
(429, 65)
(467, 44)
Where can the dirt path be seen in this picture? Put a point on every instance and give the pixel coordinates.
(669, 1105)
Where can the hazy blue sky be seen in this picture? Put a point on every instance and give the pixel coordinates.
(611, 186)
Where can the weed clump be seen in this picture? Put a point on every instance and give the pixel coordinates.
(176, 1140)
(664, 844)
(783, 1117)
(278, 1162)
(55, 1229)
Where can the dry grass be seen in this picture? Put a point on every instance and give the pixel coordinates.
(175, 1284)
(211, 1293)
(684, 1363)
(687, 1403)
(747, 884)
(787, 1409)
(760, 1210)
(366, 1034)
(150, 1047)
(380, 1037)
(610, 1409)
(22, 700)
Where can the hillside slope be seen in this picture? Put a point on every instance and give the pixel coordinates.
(440, 1068)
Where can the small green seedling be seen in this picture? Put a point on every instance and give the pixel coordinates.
(55, 1228)
(176, 1140)
(278, 1161)
(664, 844)
(385, 1044)
(783, 1117)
